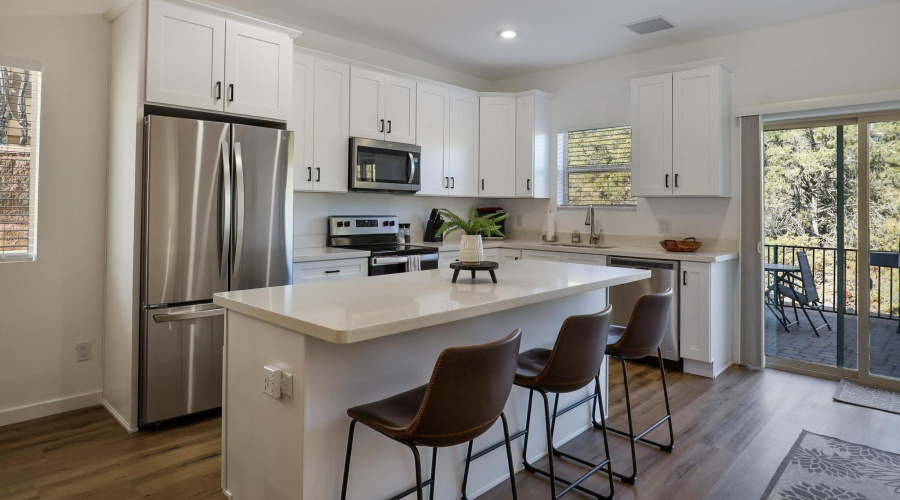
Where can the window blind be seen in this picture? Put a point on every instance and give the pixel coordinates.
(20, 95)
(598, 167)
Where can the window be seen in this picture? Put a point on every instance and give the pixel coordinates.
(20, 91)
(596, 167)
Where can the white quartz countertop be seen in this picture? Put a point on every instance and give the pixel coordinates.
(615, 250)
(315, 254)
(344, 312)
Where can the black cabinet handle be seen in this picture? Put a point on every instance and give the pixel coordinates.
(676, 180)
(684, 278)
(382, 126)
(218, 90)
(528, 185)
(389, 127)
(517, 258)
(230, 92)
(309, 174)
(333, 271)
(318, 174)
(482, 184)
(667, 180)
(446, 182)
(453, 183)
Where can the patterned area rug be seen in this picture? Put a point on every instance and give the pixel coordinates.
(822, 467)
(870, 397)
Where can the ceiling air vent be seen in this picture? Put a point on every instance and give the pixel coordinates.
(650, 25)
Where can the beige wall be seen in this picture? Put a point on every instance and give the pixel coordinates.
(48, 305)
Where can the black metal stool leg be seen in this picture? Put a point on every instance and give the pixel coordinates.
(466, 471)
(629, 479)
(512, 472)
(420, 495)
(662, 373)
(347, 460)
(612, 488)
(433, 468)
(549, 444)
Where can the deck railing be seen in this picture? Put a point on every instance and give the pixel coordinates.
(884, 282)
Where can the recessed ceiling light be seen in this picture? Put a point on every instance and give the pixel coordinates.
(508, 34)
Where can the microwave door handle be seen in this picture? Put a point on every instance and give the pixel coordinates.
(412, 168)
(225, 212)
(238, 210)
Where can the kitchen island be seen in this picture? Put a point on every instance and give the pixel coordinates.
(350, 342)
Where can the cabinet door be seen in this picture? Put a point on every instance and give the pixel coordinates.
(400, 110)
(651, 136)
(492, 254)
(524, 146)
(698, 132)
(447, 258)
(507, 255)
(541, 255)
(301, 120)
(433, 135)
(695, 313)
(330, 270)
(581, 258)
(497, 164)
(463, 154)
(331, 136)
(258, 71)
(185, 57)
(367, 90)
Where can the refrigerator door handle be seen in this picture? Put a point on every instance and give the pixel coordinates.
(184, 316)
(238, 210)
(225, 211)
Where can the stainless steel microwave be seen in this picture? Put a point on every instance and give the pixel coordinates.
(384, 166)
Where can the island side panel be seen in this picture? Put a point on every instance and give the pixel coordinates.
(262, 437)
(342, 376)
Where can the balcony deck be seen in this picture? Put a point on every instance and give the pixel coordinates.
(801, 344)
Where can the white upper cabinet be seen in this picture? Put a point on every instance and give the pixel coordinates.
(532, 147)
(367, 95)
(651, 136)
(700, 133)
(196, 58)
(331, 136)
(400, 110)
(680, 133)
(302, 120)
(464, 154)
(256, 63)
(433, 135)
(382, 107)
(185, 57)
(497, 158)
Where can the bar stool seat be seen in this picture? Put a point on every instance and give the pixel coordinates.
(393, 415)
(531, 364)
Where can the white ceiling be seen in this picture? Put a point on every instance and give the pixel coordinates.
(462, 34)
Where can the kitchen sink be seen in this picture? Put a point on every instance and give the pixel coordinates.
(578, 245)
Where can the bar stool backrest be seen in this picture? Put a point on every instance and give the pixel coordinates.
(647, 326)
(467, 391)
(578, 354)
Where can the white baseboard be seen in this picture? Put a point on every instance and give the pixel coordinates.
(124, 423)
(47, 408)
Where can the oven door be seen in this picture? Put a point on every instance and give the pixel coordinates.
(397, 264)
(384, 166)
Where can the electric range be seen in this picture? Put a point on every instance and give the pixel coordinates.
(377, 234)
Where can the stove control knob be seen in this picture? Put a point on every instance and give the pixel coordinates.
(392, 223)
(385, 223)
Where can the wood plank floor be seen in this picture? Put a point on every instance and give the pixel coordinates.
(731, 435)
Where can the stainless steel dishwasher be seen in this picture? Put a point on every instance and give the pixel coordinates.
(663, 275)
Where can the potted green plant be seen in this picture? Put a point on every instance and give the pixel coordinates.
(471, 248)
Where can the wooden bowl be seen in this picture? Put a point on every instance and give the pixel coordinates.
(685, 245)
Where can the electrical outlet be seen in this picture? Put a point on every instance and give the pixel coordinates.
(520, 221)
(665, 225)
(272, 381)
(83, 351)
(287, 385)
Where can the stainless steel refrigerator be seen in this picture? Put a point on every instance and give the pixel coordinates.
(217, 216)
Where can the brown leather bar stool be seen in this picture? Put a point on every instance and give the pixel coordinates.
(466, 394)
(641, 338)
(573, 363)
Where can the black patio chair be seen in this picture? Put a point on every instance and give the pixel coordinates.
(801, 290)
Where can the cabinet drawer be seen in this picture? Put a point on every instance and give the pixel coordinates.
(492, 254)
(328, 270)
(447, 258)
(541, 255)
(581, 258)
(507, 255)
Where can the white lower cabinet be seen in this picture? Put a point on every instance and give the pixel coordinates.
(581, 258)
(492, 254)
(706, 312)
(507, 255)
(541, 255)
(447, 258)
(330, 270)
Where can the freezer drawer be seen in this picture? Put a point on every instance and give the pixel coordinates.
(663, 275)
(181, 361)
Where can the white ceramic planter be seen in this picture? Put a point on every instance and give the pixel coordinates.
(471, 249)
